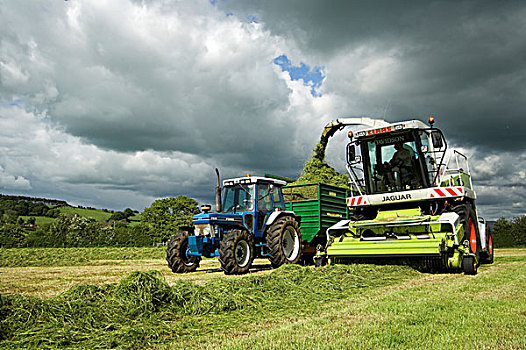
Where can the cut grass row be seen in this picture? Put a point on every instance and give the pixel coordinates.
(144, 311)
(20, 257)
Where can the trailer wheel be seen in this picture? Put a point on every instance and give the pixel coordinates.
(284, 241)
(236, 252)
(468, 220)
(176, 255)
(469, 265)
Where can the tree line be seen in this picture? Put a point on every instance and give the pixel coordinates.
(158, 223)
(509, 233)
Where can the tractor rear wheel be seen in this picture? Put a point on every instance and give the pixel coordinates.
(236, 252)
(284, 241)
(468, 220)
(176, 254)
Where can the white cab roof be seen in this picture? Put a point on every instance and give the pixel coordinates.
(252, 180)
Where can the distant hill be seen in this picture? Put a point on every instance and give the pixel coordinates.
(40, 211)
(47, 201)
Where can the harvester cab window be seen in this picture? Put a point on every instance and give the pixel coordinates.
(426, 150)
(394, 164)
(238, 198)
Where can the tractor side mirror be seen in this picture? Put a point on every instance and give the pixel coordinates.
(436, 137)
(351, 153)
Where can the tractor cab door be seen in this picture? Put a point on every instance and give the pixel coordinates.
(264, 205)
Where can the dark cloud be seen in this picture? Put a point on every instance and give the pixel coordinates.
(463, 61)
(108, 102)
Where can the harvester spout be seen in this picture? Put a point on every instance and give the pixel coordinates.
(338, 124)
(218, 194)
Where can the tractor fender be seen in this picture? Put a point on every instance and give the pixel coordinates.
(276, 214)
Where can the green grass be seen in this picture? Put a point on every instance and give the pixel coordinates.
(39, 220)
(143, 311)
(19, 257)
(336, 307)
(136, 217)
(96, 214)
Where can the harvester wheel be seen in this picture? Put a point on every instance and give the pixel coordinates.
(284, 241)
(489, 245)
(471, 232)
(469, 265)
(236, 252)
(321, 261)
(176, 255)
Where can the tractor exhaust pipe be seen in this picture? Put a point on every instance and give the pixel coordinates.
(218, 194)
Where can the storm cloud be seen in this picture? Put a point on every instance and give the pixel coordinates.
(116, 103)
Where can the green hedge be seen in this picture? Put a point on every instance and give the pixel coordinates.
(509, 233)
(72, 230)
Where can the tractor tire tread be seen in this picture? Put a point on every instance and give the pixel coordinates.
(276, 255)
(227, 250)
(174, 254)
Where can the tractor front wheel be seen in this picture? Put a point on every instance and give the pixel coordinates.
(284, 241)
(236, 252)
(176, 254)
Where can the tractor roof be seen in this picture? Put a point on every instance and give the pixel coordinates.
(252, 180)
(390, 127)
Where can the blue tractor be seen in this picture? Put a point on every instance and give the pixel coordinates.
(251, 222)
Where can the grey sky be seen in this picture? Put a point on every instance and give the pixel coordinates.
(116, 103)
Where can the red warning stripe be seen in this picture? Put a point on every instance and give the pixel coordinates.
(446, 192)
(356, 201)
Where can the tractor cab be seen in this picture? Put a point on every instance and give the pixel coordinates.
(253, 199)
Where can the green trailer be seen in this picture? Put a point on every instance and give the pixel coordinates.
(318, 207)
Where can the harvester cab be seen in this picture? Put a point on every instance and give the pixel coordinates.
(411, 198)
(251, 221)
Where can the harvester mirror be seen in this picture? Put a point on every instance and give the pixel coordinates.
(436, 137)
(351, 153)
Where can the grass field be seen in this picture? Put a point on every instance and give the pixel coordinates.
(39, 220)
(96, 214)
(104, 304)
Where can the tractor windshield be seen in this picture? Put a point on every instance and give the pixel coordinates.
(238, 198)
(393, 163)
